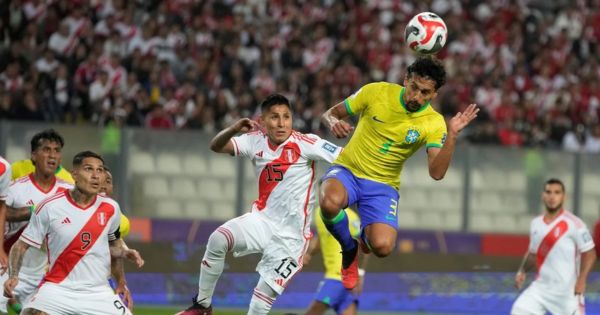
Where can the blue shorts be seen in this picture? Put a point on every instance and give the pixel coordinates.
(376, 202)
(333, 293)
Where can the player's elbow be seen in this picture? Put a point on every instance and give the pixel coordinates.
(436, 176)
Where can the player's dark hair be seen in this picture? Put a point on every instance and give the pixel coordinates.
(429, 67)
(555, 181)
(274, 99)
(48, 134)
(79, 157)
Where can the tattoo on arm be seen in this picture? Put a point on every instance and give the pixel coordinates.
(15, 259)
(17, 214)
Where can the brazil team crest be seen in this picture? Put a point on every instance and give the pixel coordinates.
(412, 136)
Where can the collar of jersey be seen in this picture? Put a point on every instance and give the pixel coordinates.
(404, 105)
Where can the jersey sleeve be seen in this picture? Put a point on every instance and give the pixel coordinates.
(358, 102)
(584, 239)
(114, 231)
(5, 179)
(244, 145)
(10, 195)
(532, 239)
(437, 136)
(36, 230)
(319, 149)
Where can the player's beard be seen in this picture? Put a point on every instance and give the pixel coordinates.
(413, 106)
(553, 210)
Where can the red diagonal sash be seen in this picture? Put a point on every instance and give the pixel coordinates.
(83, 241)
(549, 241)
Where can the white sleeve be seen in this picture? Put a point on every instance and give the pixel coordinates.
(244, 145)
(36, 230)
(532, 240)
(584, 239)
(114, 232)
(321, 149)
(5, 183)
(9, 196)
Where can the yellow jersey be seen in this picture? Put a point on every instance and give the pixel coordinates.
(330, 248)
(387, 134)
(26, 167)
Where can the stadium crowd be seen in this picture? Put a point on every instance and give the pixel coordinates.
(532, 66)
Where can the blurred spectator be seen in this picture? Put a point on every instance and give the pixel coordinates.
(534, 70)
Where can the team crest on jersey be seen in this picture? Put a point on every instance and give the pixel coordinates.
(101, 218)
(412, 136)
(291, 155)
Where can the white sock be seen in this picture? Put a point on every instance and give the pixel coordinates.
(262, 299)
(220, 242)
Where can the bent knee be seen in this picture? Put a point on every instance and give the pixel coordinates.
(382, 247)
(221, 240)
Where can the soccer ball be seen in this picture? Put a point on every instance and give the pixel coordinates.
(426, 33)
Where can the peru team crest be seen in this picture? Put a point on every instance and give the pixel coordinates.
(101, 216)
(412, 136)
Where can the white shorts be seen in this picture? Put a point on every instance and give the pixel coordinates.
(24, 290)
(53, 299)
(281, 256)
(536, 301)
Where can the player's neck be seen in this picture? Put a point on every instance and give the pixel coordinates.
(551, 214)
(44, 181)
(81, 198)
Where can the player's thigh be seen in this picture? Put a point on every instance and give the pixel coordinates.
(339, 188)
(378, 203)
(281, 261)
(317, 308)
(3, 299)
(351, 309)
(251, 233)
(570, 304)
(528, 303)
(103, 303)
(26, 287)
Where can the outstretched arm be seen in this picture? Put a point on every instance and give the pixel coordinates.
(221, 142)
(334, 120)
(15, 260)
(439, 158)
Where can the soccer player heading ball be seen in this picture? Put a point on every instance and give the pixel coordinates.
(395, 121)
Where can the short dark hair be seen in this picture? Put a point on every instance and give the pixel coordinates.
(429, 67)
(555, 181)
(79, 157)
(274, 99)
(48, 134)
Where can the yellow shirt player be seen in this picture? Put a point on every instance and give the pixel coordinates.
(331, 292)
(395, 122)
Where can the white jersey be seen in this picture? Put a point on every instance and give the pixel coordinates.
(5, 176)
(286, 177)
(25, 192)
(558, 246)
(77, 239)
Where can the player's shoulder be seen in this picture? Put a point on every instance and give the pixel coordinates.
(57, 199)
(20, 182)
(309, 138)
(108, 200)
(575, 220)
(63, 183)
